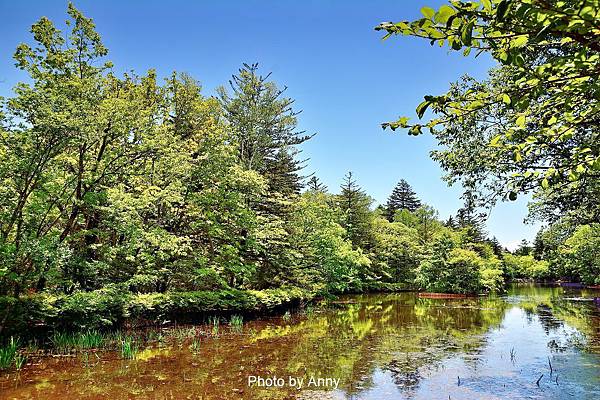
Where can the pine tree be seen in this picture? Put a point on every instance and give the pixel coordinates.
(264, 127)
(315, 185)
(467, 218)
(403, 197)
(450, 223)
(355, 205)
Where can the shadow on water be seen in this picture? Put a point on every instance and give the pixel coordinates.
(394, 346)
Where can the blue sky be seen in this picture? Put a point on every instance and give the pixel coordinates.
(344, 78)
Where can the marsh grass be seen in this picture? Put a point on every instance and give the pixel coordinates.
(67, 342)
(215, 322)
(9, 353)
(20, 361)
(236, 322)
(129, 348)
(195, 345)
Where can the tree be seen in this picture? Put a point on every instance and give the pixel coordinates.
(356, 214)
(403, 197)
(315, 185)
(532, 126)
(581, 254)
(472, 223)
(524, 249)
(328, 260)
(263, 124)
(70, 133)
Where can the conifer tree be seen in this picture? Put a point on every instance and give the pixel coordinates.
(315, 185)
(355, 205)
(264, 126)
(468, 219)
(403, 197)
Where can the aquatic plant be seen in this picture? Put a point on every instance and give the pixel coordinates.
(20, 361)
(236, 322)
(215, 322)
(8, 353)
(183, 333)
(195, 345)
(90, 340)
(66, 342)
(129, 348)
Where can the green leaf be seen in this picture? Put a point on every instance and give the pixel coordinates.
(466, 33)
(519, 41)
(545, 183)
(444, 14)
(428, 12)
(502, 10)
(506, 98)
(521, 121)
(421, 108)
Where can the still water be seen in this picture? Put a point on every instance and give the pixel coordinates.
(533, 343)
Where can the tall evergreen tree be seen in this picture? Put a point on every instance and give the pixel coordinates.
(403, 197)
(315, 185)
(467, 218)
(264, 127)
(355, 205)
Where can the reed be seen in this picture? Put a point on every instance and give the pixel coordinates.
(129, 348)
(215, 322)
(8, 353)
(195, 345)
(236, 322)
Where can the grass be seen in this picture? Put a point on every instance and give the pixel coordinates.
(195, 345)
(66, 342)
(129, 348)
(9, 353)
(215, 322)
(236, 322)
(20, 360)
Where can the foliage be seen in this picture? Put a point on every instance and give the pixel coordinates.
(131, 198)
(396, 250)
(356, 216)
(403, 197)
(333, 265)
(543, 94)
(581, 253)
(9, 353)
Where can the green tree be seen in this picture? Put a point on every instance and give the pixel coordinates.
(315, 185)
(532, 126)
(328, 261)
(403, 197)
(264, 126)
(581, 253)
(356, 212)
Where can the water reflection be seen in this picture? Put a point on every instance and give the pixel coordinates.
(378, 346)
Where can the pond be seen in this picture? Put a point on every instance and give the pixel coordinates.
(533, 343)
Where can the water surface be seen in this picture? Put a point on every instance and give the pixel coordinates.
(383, 346)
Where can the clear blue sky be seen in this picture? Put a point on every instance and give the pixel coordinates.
(344, 78)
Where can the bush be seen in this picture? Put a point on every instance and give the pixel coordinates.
(108, 308)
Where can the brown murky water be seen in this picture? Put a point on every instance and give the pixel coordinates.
(386, 346)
